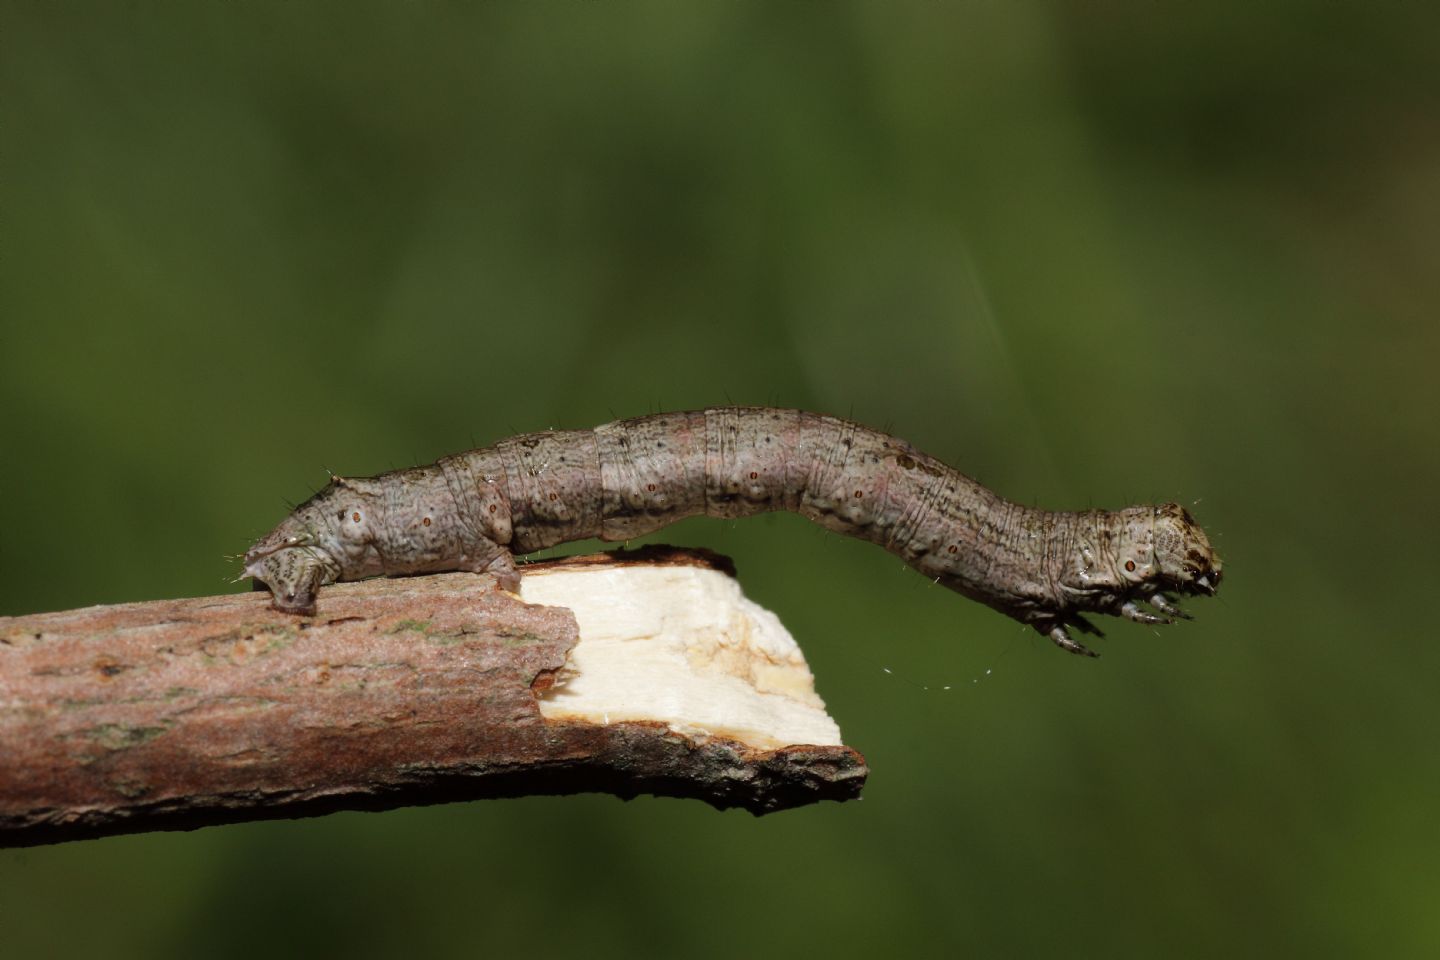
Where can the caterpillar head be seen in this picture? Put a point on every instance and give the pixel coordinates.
(327, 538)
(1135, 555)
(294, 575)
(1162, 548)
(1184, 559)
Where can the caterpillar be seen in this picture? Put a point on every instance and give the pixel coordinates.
(474, 511)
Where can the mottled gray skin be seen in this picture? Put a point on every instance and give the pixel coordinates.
(475, 510)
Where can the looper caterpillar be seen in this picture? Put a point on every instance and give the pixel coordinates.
(474, 510)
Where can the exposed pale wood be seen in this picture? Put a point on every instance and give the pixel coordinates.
(185, 713)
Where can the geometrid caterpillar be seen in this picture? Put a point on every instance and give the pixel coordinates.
(475, 510)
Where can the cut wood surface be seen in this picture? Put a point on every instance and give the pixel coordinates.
(185, 713)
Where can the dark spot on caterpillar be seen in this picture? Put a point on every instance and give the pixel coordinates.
(492, 508)
(845, 443)
(650, 487)
(859, 494)
(426, 521)
(340, 515)
(904, 462)
(554, 496)
(953, 548)
(754, 475)
(1130, 565)
(355, 516)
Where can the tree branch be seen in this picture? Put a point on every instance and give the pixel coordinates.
(185, 713)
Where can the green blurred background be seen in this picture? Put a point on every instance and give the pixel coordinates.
(1092, 253)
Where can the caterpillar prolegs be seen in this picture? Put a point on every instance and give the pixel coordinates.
(475, 510)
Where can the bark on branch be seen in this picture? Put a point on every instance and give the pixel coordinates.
(186, 713)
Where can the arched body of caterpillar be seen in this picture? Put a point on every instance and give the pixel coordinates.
(475, 510)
